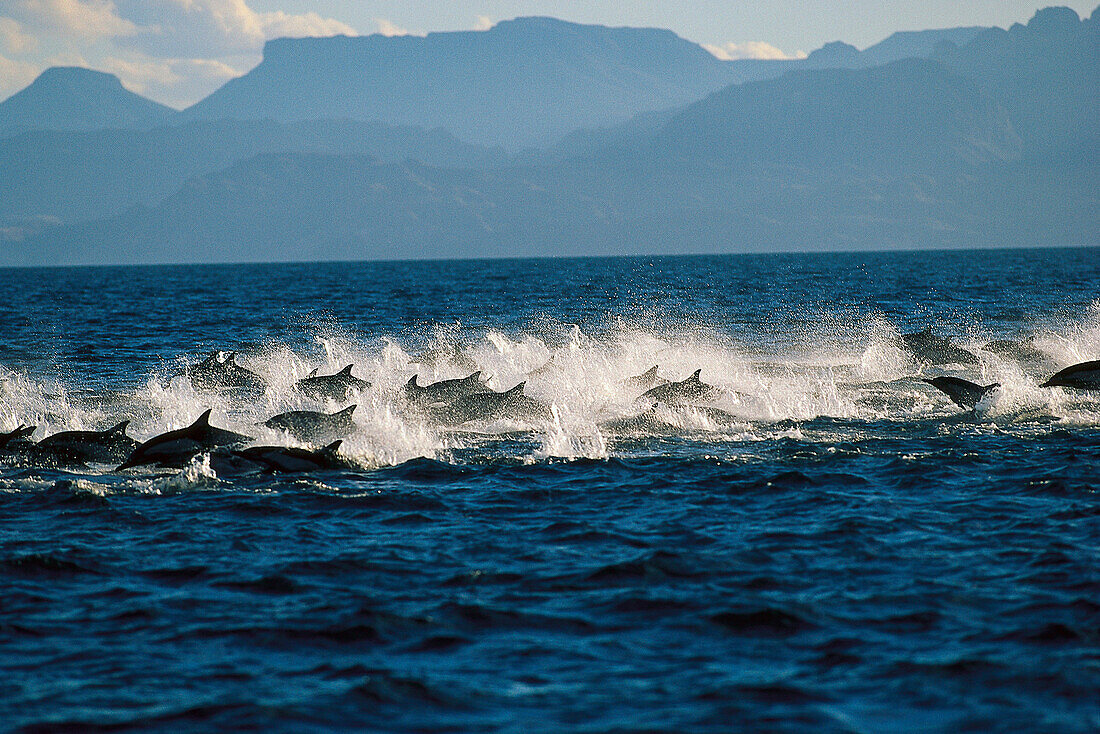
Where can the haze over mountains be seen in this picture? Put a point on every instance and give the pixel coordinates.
(545, 137)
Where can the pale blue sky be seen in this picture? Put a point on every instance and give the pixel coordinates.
(177, 51)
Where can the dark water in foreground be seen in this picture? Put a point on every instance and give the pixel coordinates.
(827, 545)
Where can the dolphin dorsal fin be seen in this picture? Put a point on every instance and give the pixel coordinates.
(994, 386)
(120, 428)
(313, 373)
(517, 390)
(349, 410)
(476, 377)
(346, 370)
(412, 382)
(651, 372)
(332, 447)
(203, 421)
(695, 376)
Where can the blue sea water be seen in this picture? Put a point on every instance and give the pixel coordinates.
(827, 545)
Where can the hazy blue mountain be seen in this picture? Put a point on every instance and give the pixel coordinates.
(1045, 73)
(312, 206)
(73, 176)
(73, 98)
(916, 44)
(990, 143)
(524, 82)
(912, 113)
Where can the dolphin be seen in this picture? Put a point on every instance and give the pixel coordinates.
(1083, 376)
(684, 391)
(14, 441)
(176, 448)
(81, 447)
(964, 393)
(490, 405)
(337, 388)
(445, 391)
(314, 427)
(647, 380)
(220, 371)
(283, 459)
(935, 349)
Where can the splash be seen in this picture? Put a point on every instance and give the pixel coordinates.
(836, 368)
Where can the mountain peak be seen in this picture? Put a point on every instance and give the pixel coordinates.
(75, 98)
(77, 77)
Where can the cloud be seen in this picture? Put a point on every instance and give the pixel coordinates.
(484, 23)
(84, 19)
(176, 82)
(175, 51)
(213, 28)
(389, 28)
(752, 50)
(13, 40)
(14, 75)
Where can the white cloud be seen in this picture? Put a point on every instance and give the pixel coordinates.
(175, 51)
(13, 40)
(14, 75)
(484, 23)
(176, 82)
(83, 19)
(212, 28)
(752, 50)
(390, 29)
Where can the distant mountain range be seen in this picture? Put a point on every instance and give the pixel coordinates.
(524, 82)
(990, 140)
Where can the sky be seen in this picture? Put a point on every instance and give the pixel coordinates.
(178, 51)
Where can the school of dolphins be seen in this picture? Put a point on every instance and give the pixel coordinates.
(452, 404)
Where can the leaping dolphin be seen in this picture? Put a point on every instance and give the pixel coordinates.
(935, 349)
(647, 380)
(176, 448)
(13, 439)
(1083, 376)
(81, 447)
(288, 460)
(490, 405)
(964, 393)
(220, 371)
(445, 391)
(314, 427)
(338, 387)
(684, 391)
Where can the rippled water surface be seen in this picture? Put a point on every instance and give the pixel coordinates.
(825, 543)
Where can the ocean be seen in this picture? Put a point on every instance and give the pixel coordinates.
(823, 542)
